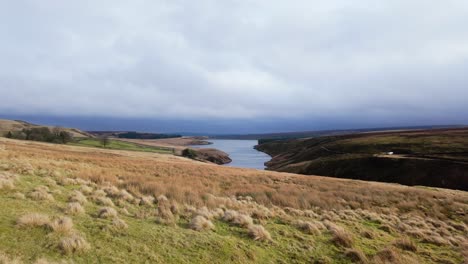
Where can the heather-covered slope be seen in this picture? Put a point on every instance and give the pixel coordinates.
(437, 158)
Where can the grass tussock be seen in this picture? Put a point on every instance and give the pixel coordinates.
(258, 232)
(19, 196)
(119, 224)
(165, 213)
(237, 218)
(406, 244)
(41, 193)
(74, 208)
(356, 256)
(310, 227)
(5, 259)
(200, 223)
(7, 180)
(73, 244)
(78, 197)
(105, 201)
(33, 220)
(107, 212)
(340, 236)
(86, 189)
(61, 225)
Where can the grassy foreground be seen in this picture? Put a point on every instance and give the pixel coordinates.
(81, 205)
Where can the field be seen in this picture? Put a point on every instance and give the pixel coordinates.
(120, 145)
(84, 205)
(437, 158)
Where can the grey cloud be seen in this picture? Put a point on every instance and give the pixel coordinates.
(236, 59)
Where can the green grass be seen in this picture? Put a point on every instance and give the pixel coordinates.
(145, 241)
(120, 145)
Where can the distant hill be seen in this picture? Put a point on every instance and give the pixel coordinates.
(320, 133)
(18, 125)
(437, 158)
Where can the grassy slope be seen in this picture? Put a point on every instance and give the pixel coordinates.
(147, 241)
(120, 145)
(16, 125)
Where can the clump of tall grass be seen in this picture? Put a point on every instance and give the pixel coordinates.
(117, 225)
(74, 208)
(200, 223)
(340, 236)
(73, 244)
(85, 189)
(77, 197)
(61, 225)
(146, 200)
(5, 259)
(237, 218)
(19, 196)
(310, 227)
(107, 212)
(104, 201)
(258, 232)
(165, 212)
(41, 193)
(406, 244)
(7, 180)
(33, 220)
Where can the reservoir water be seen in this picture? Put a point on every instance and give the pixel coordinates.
(241, 152)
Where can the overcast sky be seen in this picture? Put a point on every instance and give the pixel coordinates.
(404, 62)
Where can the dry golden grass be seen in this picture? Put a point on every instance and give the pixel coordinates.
(74, 208)
(166, 213)
(103, 201)
(309, 227)
(189, 182)
(107, 212)
(119, 224)
(77, 197)
(340, 236)
(200, 223)
(19, 196)
(356, 256)
(406, 244)
(258, 232)
(41, 194)
(61, 225)
(237, 218)
(33, 220)
(73, 244)
(5, 259)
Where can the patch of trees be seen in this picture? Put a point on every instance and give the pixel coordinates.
(267, 140)
(44, 134)
(136, 135)
(189, 153)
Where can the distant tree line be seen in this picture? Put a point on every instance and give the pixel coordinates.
(267, 140)
(136, 135)
(44, 134)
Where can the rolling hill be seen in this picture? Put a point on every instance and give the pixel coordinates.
(18, 125)
(437, 158)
